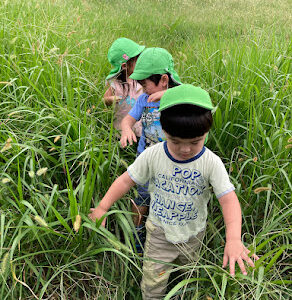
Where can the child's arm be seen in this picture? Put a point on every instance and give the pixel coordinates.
(156, 96)
(234, 250)
(109, 97)
(116, 191)
(127, 133)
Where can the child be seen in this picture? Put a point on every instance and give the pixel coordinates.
(123, 91)
(155, 71)
(181, 172)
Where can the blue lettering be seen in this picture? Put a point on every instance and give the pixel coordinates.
(195, 174)
(176, 170)
(163, 184)
(181, 207)
(168, 204)
(159, 211)
(193, 191)
(189, 206)
(169, 187)
(157, 183)
(186, 173)
(178, 188)
(181, 217)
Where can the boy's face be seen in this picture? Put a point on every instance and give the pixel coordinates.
(150, 87)
(184, 149)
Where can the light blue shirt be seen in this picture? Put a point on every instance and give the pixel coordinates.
(151, 128)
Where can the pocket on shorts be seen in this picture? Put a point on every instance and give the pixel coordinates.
(150, 227)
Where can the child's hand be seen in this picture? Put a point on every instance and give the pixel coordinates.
(109, 100)
(97, 213)
(128, 136)
(234, 252)
(117, 98)
(155, 96)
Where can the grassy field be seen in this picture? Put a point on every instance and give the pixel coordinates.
(59, 154)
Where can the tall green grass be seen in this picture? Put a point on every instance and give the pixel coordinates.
(59, 152)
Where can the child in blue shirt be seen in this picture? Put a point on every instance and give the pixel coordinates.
(154, 70)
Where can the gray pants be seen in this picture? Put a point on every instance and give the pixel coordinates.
(156, 274)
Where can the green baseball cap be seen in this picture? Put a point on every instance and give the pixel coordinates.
(154, 61)
(120, 52)
(186, 94)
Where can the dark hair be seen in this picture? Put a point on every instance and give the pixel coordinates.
(156, 78)
(122, 76)
(186, 121)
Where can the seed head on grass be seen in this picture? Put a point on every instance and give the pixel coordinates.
(4, 264)
(70, 33)
(124, 163)
(12, 113)
(7, 145)
(261, 189)
(42, 171)
(5, 180)
(56, 139)
(31, 174)
(41, 221)
(77, 223)
(53, 50)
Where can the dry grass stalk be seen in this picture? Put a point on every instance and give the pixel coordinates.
(261, 189)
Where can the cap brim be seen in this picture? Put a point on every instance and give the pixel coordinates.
(185, 102)
(138, 51)
(175, 78)
(115, 71)
(139, 76)
(144, 75)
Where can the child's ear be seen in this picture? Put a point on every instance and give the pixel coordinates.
(124, 66)
(164, 80)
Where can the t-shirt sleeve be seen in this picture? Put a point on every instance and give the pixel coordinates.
(117, 88)
(137, 109)
(219, 178)
(139, 170)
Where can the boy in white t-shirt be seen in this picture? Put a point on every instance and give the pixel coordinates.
(181, 173)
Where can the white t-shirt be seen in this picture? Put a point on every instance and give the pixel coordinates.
(180, 190)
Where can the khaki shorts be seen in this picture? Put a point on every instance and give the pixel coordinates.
(156, 273)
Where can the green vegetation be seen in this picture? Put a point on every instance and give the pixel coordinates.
(59, 153)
